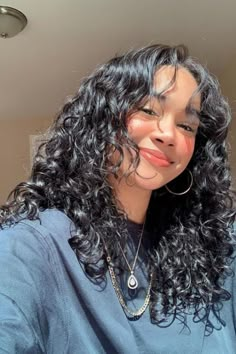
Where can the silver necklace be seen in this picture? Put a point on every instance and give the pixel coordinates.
(129, 312)
(132, 281)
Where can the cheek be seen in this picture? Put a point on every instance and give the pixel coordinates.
(137, 128)
(186, 147)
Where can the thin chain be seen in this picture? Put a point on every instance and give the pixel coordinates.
(118, 291)
(131, 269)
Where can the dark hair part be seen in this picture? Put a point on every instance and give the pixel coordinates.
(194, 243)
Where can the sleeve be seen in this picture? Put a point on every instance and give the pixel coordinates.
(23, 289)
(16, 336)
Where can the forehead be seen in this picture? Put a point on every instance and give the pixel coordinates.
(178, 83)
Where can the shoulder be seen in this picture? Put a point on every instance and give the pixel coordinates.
(51, 224)
(29, 261)
(30, 280)
(29, 248)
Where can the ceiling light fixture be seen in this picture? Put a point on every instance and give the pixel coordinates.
(12, 21)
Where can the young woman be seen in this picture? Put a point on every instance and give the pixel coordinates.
(122, 240)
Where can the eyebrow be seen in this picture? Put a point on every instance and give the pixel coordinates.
(189, 110)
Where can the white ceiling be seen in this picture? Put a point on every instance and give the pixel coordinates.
(66, 39)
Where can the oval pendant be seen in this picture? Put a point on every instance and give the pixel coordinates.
(132, 282)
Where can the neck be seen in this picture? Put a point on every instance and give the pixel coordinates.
(132, 199)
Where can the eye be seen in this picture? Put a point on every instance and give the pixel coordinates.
(187, 127)
(148, 111)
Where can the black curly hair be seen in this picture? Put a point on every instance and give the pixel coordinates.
(194, 239)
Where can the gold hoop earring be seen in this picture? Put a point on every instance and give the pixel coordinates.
(187, 190)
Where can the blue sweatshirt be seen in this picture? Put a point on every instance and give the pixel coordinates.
(48, 304)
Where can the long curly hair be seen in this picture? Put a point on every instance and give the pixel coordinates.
(193, 238)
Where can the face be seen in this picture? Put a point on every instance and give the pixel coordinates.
(165, 130)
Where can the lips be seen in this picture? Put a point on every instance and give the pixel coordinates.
(155, 157)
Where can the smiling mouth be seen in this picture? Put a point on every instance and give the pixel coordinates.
(155, 157)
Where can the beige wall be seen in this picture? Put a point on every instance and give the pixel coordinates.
(15, 151)
(228, 84)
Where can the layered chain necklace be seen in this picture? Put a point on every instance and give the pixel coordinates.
(132, 282)
(142, 309)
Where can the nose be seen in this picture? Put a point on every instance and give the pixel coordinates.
(164, 131)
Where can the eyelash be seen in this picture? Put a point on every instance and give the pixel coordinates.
(187, 128)
(149, 111)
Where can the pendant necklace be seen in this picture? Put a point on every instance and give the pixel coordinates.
(130, 313)
(132, 281)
